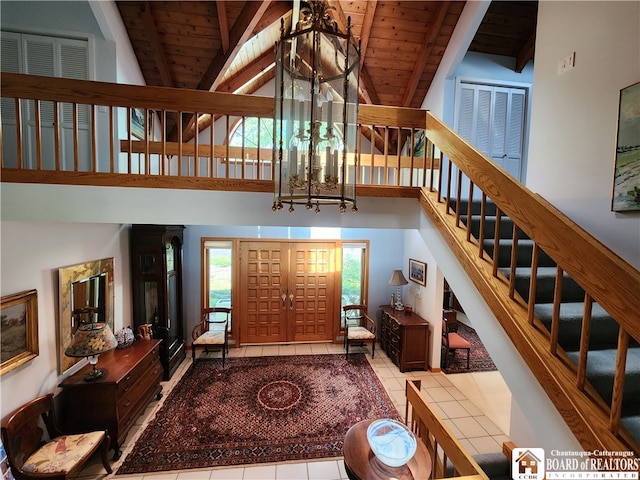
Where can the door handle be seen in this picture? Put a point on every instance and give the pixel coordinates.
(284, 300)
(291, 301)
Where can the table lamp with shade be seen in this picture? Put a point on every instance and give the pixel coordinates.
(90, 340)
(397, 279)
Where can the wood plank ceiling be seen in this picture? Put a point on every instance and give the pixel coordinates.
(228, 46)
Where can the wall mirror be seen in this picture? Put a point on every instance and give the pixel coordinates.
(85, 296)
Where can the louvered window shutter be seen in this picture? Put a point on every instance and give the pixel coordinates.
(10, 62)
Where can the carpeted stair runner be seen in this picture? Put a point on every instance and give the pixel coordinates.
(603, 330)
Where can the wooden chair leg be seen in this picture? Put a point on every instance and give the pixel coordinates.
(373, 349)
(104, 453)
(468, 355)
(193, 353)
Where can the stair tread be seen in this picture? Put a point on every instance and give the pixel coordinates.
(600, 371)
(603, 330)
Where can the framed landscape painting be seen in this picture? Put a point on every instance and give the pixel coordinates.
(626, 181)
(18, 329)
(418, 272)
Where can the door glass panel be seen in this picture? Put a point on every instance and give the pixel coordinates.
(218, 257)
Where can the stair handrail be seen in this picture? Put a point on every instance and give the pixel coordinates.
(603, 274)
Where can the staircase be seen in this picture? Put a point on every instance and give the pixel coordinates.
(603, 331)
(567, 303)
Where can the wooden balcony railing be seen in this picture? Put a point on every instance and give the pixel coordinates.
(79, 132)
(448, 457)
(76, 131)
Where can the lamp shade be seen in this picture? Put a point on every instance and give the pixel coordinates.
(397, 278)
(92, 339)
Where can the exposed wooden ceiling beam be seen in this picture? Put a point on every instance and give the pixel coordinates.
(274, 13)
(255, 68)
(156, 45)
(369, 14)
(240, 33)
(525, 53)
(425, 52)
(223, 24)
(367, 87)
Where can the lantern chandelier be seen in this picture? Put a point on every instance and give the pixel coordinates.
(317, 70)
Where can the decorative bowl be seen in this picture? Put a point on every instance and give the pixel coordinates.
(391, 442)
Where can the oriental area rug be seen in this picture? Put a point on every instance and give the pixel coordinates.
(260, 409)
(479, 361)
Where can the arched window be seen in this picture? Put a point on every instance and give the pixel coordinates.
(252, 132)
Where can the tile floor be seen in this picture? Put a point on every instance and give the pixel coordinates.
(474, 405)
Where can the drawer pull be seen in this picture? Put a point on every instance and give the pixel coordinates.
(127, 403)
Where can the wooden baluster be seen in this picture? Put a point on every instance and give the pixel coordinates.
(130, 141)
(449, 175)
(196, 144)
(555, 317)
(533, 283)
(618, 381)
(211, 163)
(584, 341)
(398, 151)
(483, 213)
(38, 127)
(19, 160)
(440, 168)
(259, 172)
(147, 130)
(469, 210)
(112, 139)
(458, 195)
(496, 242)
(411, 164)
(163, 140)
(94, 146)
(514, 261)
(76, 151)
(226, 136)
(242, 149)
(179, 144)
(56, 137)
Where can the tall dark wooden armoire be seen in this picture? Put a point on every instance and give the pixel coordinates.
(156, 269)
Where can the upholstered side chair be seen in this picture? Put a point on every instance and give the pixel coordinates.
(211, 333)
(36, 448)
(359, 328)
(452, 341)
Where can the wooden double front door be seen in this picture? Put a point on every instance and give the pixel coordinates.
(288, 291)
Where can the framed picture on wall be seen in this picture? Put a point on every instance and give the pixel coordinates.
(138, 122)
(18, 329)
(626, 180)
(418, 272)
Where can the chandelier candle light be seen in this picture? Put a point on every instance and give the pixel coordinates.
(317, 70)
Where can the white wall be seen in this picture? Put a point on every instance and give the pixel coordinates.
(30, 256)
(574, 115)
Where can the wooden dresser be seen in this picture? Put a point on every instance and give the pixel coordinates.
(404, 337)
(114, 402)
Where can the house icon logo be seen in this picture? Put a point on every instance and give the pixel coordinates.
(527, 464)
